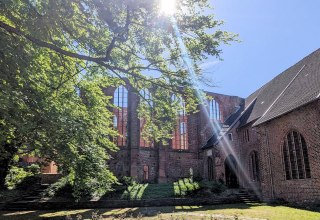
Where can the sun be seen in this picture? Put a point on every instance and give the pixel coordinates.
(167, 7)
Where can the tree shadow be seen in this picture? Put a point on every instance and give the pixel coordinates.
(45, 214)
(121, 213)
(155, 211)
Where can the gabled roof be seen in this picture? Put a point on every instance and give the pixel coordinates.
(295, 87)
(303, 89)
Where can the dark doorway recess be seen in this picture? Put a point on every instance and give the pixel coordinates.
(230, 165)
(210, 169)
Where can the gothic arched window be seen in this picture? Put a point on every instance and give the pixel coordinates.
(210, 169)
(214, 110)
(180, 136)
(120, 100)
(145, 96)
(254, 166)
(115, 122)
(295, 156)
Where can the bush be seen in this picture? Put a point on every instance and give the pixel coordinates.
(218, 187)
(28, 182)
(214, 186)
(198, 178)
(23, 178)
(33, 168)
(60, 188)
(15, 176)
(127, 181)
(186, 186)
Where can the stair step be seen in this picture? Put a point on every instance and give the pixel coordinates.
(30, 198)
(246, 197)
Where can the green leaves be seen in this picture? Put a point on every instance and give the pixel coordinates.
(53, 49)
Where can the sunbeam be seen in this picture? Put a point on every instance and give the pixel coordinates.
(193, 80)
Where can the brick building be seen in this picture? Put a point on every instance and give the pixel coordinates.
(272, 143)
(153, 162)
(268, 142)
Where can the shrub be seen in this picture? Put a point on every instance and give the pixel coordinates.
(218, 187)
(213, 186)
(28, 182)
(127, 181)
(198, 178)
(186, 186)
(62, 187)
(33, 168)
(23, 178)
(15, 176)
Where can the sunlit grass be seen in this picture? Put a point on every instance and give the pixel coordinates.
(221, 212)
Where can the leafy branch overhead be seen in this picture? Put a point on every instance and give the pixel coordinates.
(49, 49)
(126, 37)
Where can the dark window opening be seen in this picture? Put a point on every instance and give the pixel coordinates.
(254, 166)
(230, 138)
(210, 169)
(295, 157)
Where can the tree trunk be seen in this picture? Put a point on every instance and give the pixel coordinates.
(7, 153)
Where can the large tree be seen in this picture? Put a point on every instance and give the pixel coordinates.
(50, 47)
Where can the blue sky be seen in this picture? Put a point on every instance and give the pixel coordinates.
(275, 34)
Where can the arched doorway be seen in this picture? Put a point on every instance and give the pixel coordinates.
(253, 166)
(230, 165)
(210, 169)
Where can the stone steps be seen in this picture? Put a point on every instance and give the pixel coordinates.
(245, 197)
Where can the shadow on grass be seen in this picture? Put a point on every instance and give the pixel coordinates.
(141, 191)
(154, 211)
(122, 213)
(114, 213)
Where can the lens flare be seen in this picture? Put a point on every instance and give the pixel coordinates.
(226, 147)
(167, 7)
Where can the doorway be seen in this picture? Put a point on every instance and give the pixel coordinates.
(210, 169)
(230, 165)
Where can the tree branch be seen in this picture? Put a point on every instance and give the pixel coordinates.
(51, 46)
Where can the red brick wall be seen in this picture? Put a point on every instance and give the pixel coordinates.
(164, 162)
(306, 121)
(246, 146)
(224, 149)
(227, 107)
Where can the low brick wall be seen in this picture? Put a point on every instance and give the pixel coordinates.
(49, 178)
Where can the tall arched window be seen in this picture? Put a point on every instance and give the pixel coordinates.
(210, 169)
(120, 100)
(115, 122)
(295, 157)
(214, 110)
(147, 98)
(254, 166)
(180, 136)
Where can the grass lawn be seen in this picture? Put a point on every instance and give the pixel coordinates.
(222, 212)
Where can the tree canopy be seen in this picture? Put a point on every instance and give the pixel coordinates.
(51, 49)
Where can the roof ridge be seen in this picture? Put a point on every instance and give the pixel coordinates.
(235, 121)
(278, 97)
